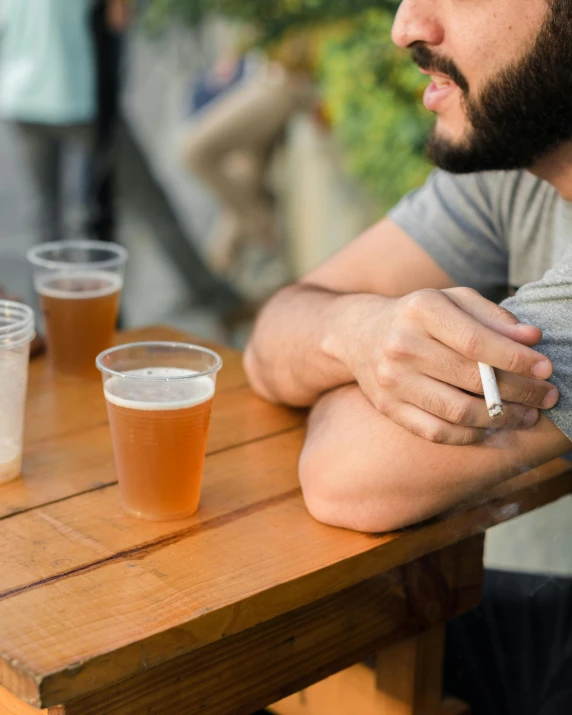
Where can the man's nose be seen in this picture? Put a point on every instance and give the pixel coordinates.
(417, 21)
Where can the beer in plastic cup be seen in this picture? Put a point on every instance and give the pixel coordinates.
(159, 398)
(16, 333)
(79, 285)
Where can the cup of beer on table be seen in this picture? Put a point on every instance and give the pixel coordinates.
(16, 334)
(79, 284)
(159, 397)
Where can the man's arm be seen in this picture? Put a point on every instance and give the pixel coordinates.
(361, 471)
(285, 359)
(414, 357)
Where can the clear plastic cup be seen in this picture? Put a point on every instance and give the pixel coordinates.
(16, 333)
(79, 284)
(159, 398)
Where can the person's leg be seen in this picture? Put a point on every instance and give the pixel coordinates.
(43, 153)
(513, 655)
(248, 120)
(108, 47)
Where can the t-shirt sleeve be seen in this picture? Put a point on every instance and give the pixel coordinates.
(453, 218)
(547, 303)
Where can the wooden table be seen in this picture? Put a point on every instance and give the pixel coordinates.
(247, 602)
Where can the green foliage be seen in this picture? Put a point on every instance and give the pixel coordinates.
(271, 18)
(371, 88)
(373, 92)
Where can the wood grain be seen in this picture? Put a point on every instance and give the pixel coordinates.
(252, 669)
(407, 681)
(59, 406)
(66, 536)
(410, 674)
(350, 692)
(82, 460)
(102, 612)
(154, 604)
(11, 705)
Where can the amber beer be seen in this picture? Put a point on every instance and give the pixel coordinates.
(159, 432)
(80, 312)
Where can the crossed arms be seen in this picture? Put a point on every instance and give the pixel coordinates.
(383, 347)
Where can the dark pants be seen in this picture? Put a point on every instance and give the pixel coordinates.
(45, 147)
(513, 654)
(108, 45)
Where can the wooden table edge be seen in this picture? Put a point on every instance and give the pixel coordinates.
(507, 501)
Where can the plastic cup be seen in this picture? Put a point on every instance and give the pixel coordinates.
(159, 398)
(16, 333)
(79, 284)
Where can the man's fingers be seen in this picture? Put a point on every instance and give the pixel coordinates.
(448, 366)
(494, 316)
(461, 409)
(434, 429)
(527, 391)
(470, 338)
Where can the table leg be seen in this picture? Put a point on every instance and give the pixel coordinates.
(407, 681)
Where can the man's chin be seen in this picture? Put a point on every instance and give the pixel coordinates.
(456, 157)
(455, 137)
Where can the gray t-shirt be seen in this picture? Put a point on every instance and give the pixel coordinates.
(497, 232)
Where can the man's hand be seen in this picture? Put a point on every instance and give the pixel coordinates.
(415, 359)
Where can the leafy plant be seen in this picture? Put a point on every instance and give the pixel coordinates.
(373, 94)
(271, 18)
(371, 89)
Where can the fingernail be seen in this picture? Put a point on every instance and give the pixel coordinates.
(542, 369)
(550, 400)
(530, 418)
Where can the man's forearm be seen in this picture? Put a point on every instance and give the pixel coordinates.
(361, 471)
(287, 359)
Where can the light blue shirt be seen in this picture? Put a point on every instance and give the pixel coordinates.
(47, 63)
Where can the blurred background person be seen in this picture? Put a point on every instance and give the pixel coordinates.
(230, 146)
(57, 89)
(110, 21)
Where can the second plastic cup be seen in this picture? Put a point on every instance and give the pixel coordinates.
(16, 333)
(159, 398)
(79, 284)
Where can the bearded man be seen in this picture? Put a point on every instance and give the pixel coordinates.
(383, 340)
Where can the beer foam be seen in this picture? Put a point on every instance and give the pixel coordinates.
(163, 394)
(44, 284)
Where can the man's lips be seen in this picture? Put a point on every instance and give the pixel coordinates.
(440, 88)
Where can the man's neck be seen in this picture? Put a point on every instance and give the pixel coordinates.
(556, 168)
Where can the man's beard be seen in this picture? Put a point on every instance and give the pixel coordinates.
(522, 114)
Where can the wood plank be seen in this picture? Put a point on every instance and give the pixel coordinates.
(11, 705)
(73, 405)
(82, 460)
(215, 583)
(410, 674)
(350, 692)
(66, 536)
(239, 674)
(408, 680)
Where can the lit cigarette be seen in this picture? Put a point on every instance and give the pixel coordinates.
(491, 390)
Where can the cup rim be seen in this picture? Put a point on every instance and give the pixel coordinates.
(23, 328)
(158, 343)
(33, 255)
